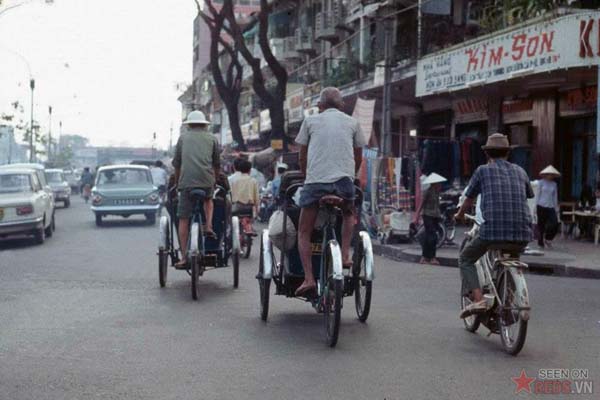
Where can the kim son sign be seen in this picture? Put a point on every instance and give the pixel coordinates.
(563, 42)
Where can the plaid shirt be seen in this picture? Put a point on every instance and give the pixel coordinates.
(504, 189)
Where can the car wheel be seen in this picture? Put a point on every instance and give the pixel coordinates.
(98, 219)
(40, 236)
(50, 229)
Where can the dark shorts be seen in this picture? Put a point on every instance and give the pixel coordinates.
(185, 207)
(344, 188)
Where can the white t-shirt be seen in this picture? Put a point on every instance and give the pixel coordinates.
(159, 176)
(331, 137)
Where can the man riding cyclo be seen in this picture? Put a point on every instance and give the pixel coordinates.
(244, 196)
(197, 165)
(504, 188)
(330, 156)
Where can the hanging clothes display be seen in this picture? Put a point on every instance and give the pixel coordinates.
(439, 156)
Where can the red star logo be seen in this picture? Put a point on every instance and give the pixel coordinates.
(523, 382)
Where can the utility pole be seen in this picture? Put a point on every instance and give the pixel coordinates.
(31, 149)
(170, 139)
(386, 117)
(49, 133)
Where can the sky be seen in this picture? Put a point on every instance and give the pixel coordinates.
(109, 68)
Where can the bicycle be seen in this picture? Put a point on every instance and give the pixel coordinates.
(503, 283)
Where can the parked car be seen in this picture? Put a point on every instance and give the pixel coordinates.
(125, 190)
(60, 187)
(25, 207)
(39, 170)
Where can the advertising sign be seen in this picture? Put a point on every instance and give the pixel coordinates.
(564, 42)
(364, 110)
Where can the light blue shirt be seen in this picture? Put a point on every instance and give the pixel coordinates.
(547, 194)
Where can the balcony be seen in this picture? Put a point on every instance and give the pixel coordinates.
(289, 49)
(325, 24)
(305, 41)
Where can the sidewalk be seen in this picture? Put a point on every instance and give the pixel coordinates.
(568, 258)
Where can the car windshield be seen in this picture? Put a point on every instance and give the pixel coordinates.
(15, 183)
(124, 176)
(54, 177)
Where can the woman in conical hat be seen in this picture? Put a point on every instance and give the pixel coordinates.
(547, 206)
(430, 210)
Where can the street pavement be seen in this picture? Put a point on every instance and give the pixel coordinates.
(83, 317)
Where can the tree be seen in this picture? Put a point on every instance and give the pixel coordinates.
(272, 97)
(229, 81)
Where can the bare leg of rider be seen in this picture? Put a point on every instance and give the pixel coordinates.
(347, 230)
(208, 211)
(184, 232)
(308, 216)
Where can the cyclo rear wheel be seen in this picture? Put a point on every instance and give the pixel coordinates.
(333, 292)
(513, 328)
(263, 286)
(163, 259)
(362, 287)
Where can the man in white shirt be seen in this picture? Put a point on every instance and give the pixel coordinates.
(236, 174)
(330, 155)
(159, 175)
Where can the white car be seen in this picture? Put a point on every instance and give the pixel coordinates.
(60, 187)
(25, 207)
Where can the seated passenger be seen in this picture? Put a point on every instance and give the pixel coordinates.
(244, 192)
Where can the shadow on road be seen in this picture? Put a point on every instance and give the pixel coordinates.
(179, 288)
(17, 243)
(124, 223)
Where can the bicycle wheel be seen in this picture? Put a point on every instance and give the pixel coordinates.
(247, 246)
(362, 287)
(163, 259)
(440, 231)
(263, 286)
(236, 268)
(513, 327)
(194, 260)
(472, 322)
(333, 292)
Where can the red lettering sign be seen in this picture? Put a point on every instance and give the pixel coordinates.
(585, 48)
(518, 46)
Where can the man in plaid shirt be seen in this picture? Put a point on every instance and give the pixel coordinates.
(504, 188)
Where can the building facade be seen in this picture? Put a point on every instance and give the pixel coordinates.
(458, 71)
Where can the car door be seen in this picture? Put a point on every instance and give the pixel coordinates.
(46, 188)
(43, 201)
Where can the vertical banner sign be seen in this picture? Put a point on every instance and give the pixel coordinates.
(564, 42)
(364, 111)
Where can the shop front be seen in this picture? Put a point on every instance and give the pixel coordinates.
(577, 139)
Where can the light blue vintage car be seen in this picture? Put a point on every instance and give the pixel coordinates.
(125, 190)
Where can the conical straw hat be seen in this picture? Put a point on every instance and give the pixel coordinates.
(550, 170)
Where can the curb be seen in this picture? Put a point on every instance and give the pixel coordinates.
(398, 254)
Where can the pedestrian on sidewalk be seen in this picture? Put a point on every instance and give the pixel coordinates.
(547, 207)
(430, 211)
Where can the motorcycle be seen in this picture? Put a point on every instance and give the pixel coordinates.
(266, 206)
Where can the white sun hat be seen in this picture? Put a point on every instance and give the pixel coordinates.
(434, 178)
(196, 117)
(550, 170)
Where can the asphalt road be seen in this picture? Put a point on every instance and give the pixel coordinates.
(83, 317)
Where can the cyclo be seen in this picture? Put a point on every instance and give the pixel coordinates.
(204, 253)
(332, 283)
